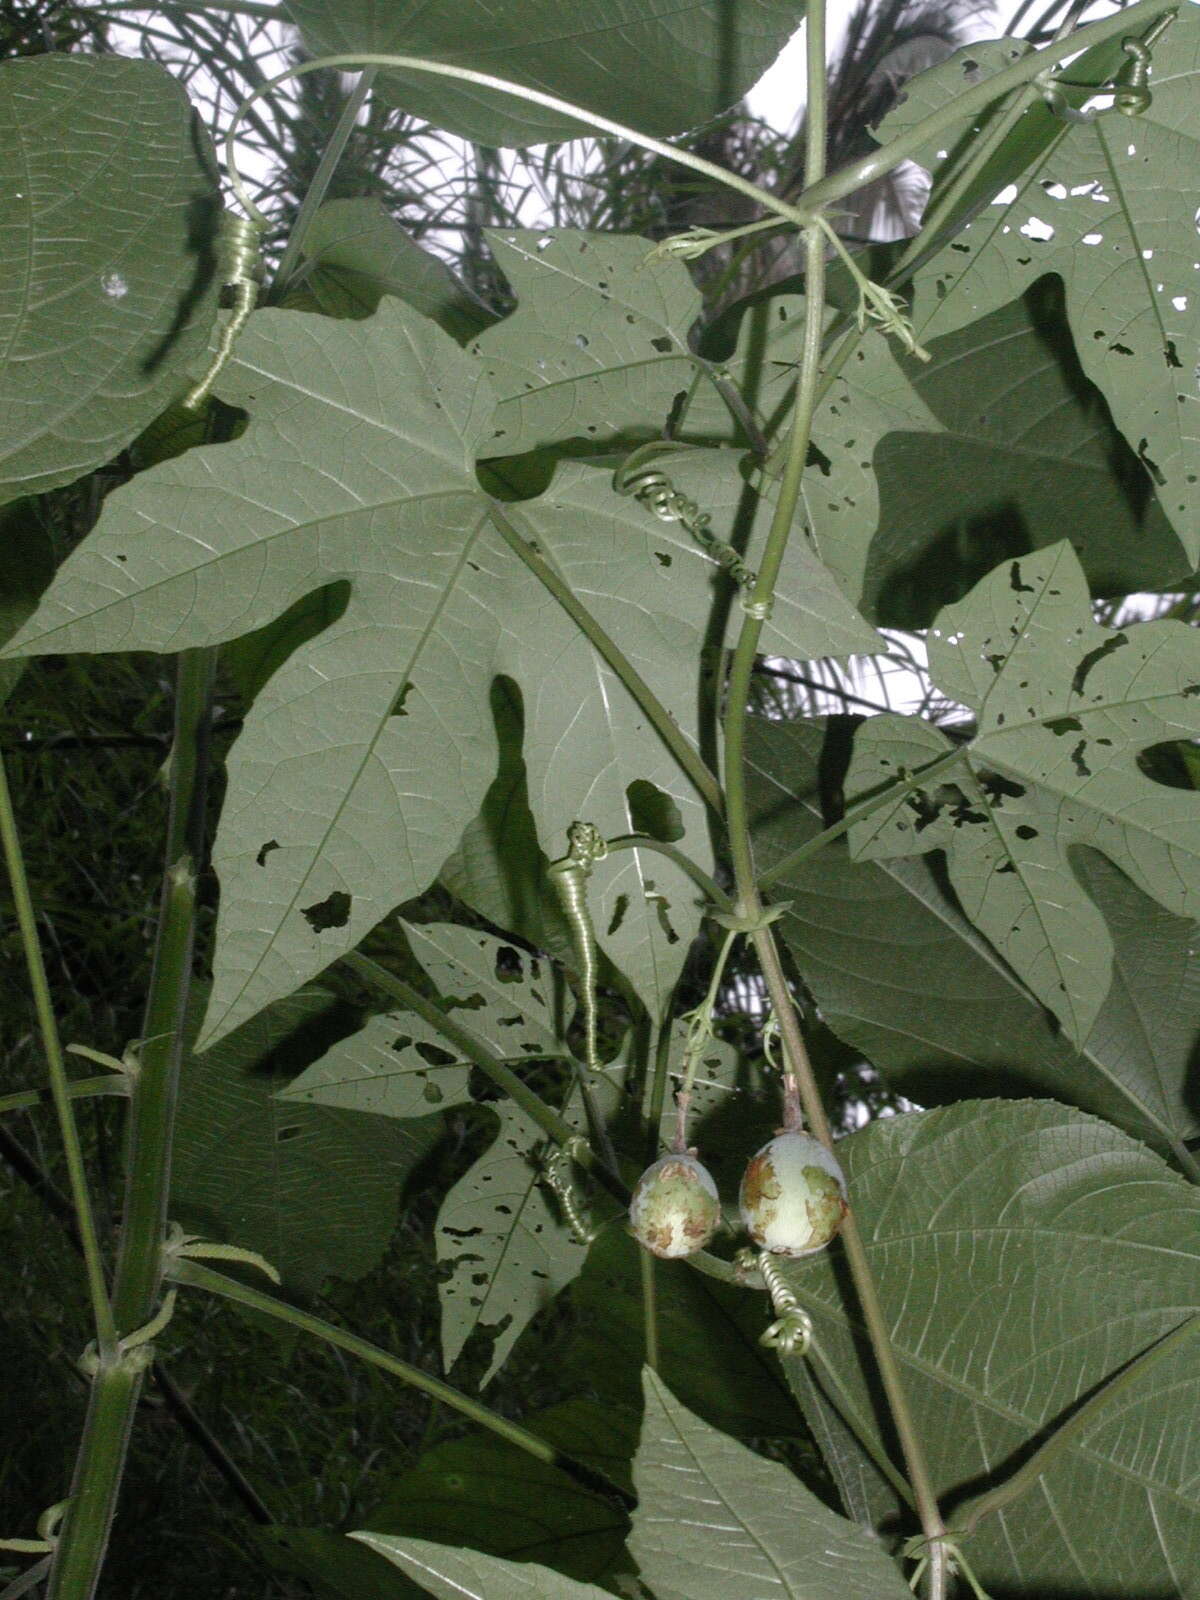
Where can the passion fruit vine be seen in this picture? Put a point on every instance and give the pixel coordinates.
(793, 1196)
(675, 1209)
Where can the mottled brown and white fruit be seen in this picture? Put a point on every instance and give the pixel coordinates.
(675, 1209)
(793, 1196)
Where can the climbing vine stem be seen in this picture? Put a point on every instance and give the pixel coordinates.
(799, 1078)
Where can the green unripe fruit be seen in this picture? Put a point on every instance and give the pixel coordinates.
(793, 1196)
(675, 1209)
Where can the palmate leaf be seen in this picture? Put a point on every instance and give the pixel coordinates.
(1109, 206)
(370, 748)
(714, 1520)
(661, 67)
(499, 1231)
(899, 973)
(1024, 1253)
(1064, 708)
(107, 290)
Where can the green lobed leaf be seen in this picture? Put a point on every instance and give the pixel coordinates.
(1064, 707)
(354, 253)
(356, 466)
(662, 67)
(499, 1232)
(933, 471)
(714, 1520)
(597, 348)
(313, 1188)
(370, 748)
(1024, 1253)
(107, 289)
(469, 1575)
(1109, 206)
(899, 972)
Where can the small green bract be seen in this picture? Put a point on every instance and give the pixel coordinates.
(675, 1209)
(793, 1196)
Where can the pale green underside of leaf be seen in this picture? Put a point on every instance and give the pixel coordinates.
(1111, 208)
(714, 1521)
(346, 794)
(313, 1188)
(499, 1229)
(1064, 706)
(1024, 1253)
(460, 1574)
(597, 347)
(991, 433)
(661, 67)
(899, 973)
(107, 289)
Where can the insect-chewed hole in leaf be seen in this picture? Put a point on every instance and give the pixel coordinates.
(817, 458)
(1175, 763)
(1094, 657)
(662, 344)
(653, 812)
(999, 788)
(618, 915)
(1014, 580)
(509, 966)
(434, 1054)
(284, 1134)
(662, 911)
(264, 851)
(1026, 832)
(663, 557)
(432, 1094)
(1061, 725)
(1151, 466)
(332, 912)
(398, 704)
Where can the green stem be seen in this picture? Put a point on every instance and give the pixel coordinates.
(100, 1462)
(486, 80)
(321, 180)
(828, 190)
(193, 1275)
(77, 1089)
(1003, 1494)
(858, 813)
(83, 1537)
(473, 1048)
(60, 1085)
(799, 1080)
(237, 8)
(639, 841)
(664, 725)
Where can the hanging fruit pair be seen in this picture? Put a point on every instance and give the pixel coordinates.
(792, 1198)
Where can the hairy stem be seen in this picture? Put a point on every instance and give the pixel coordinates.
(117, 1381)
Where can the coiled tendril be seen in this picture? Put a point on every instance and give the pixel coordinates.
(569, 875)
(556, 1175)
(791, 1333)
(1131, 85)
(238, 263)
(651, 486)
